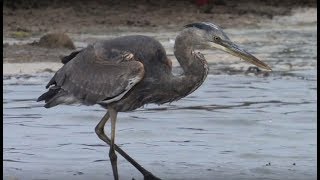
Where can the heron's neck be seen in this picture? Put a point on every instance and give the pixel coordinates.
(194, 65)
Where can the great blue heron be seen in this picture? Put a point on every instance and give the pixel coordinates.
(124, 73)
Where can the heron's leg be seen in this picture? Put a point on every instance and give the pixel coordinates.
(112, 153)
(99, 129)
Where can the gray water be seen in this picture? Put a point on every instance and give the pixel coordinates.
(235, 126)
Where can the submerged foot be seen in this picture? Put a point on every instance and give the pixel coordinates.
(150, 176)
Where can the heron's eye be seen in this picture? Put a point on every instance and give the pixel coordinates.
(216, 38)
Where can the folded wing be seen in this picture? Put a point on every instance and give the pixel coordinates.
(92, 77)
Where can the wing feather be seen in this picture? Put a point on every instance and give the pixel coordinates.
(93, 78)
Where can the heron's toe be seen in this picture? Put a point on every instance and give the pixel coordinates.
(150, 176)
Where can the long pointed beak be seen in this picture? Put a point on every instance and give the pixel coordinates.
(235, 50)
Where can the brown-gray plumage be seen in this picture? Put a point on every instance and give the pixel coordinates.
(124, 73)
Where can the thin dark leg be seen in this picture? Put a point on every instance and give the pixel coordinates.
(100, 132)
(112, 153)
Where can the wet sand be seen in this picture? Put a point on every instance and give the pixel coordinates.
(18, 51)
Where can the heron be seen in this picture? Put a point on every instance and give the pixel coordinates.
(127, 72)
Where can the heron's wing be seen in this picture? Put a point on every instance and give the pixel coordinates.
(66, 59)
(91, 78)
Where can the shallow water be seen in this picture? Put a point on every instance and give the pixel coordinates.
(235, 126)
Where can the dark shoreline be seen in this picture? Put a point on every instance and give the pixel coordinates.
(99, 16)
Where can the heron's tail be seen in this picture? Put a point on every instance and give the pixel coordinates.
(56, 96)
(48, 96)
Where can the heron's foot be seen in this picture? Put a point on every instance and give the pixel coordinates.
(150, 176)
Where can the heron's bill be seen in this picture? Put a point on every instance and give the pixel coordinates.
(233, 49)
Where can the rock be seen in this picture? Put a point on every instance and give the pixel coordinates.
(55, 40)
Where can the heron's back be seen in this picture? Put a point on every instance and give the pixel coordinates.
(146, 49)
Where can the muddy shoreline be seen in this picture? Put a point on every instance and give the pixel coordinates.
(103, 17)
(87, 23)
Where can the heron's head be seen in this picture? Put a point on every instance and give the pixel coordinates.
(208, 35)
